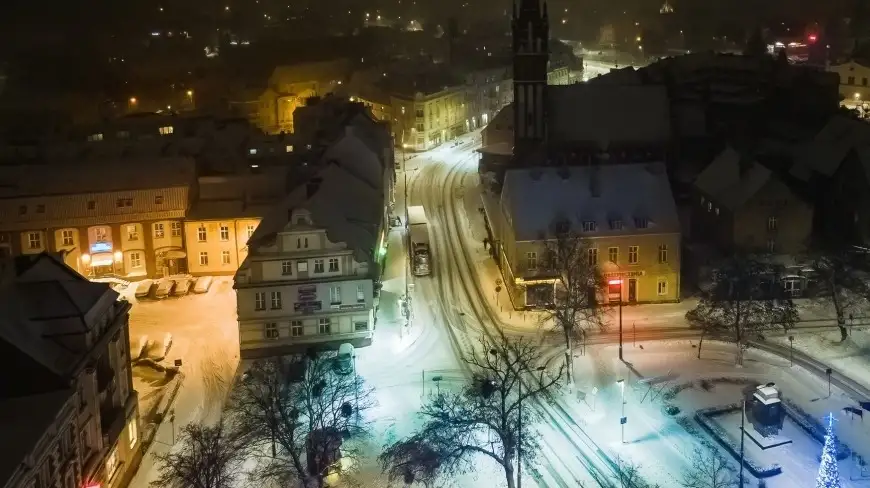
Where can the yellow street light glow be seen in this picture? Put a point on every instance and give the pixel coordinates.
(638, 39)
(857, 96)
(133, 100)
(190, 93)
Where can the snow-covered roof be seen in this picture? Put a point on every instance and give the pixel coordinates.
(606, 113)
(632, 194)
(498, 149)
(349, 209)
(95, 176)
(731, 179)
(825, 153)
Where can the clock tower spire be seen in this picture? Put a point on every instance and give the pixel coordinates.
(531, 37)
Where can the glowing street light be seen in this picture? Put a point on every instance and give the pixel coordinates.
(133, 101)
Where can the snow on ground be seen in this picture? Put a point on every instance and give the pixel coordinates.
(849, 357)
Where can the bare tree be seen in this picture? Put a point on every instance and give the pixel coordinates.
(744, 300)
(708, 470)
(492, 415)
(209, 457)
(840, 283)
(575, 307)
(298, 412)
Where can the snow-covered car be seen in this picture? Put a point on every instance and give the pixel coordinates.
(203, 283)
(182, 287)
(144, 288)
(344, 363)
(164, 289)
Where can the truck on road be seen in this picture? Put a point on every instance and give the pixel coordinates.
(418, 228)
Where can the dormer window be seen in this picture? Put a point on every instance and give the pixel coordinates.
(95, 137)
(252, 151)
(589, 226)
(166, 130)
(289, 148)
(616, 224)
(641, 223)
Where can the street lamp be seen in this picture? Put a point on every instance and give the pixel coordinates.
(619, 283)
(622, 419)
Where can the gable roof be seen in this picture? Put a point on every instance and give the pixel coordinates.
(825, 153)
(732, 179)
(536, 197)
(605, 113)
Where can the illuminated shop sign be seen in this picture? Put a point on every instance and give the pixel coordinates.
(101, 247)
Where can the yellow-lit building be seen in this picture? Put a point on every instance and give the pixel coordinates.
(218, 247)
(423, 121)
(626, 212)
(854, 82)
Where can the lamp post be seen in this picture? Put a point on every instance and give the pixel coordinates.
(742, 435)
(619, 283)
(622, 419)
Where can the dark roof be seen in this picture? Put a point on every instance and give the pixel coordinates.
(21, 375)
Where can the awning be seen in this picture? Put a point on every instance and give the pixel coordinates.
(175, 254)
(102, 259)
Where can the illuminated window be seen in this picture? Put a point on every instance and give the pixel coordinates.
(165, 131)
(771, 224)
(101, 234)
(252, 151)
(95, 137)
(360, 293)
(112, 462)
(289, 148)
(302, 266)
(133, 433)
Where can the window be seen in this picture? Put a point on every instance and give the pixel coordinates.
(420, 127)
(864, 81)
(132, 233)
(201, 233)
(286, 267)
(641, 223)
(613, 255)
(850, 81)
(40, 208)
(771, 224)
(92, 205)
(158, 231)
(632, 254)
(101, 234)
(166, 130)
(95, 137)
(123, 134)
(225, 257)
(302, 266)
(22, 210)
(260, 300)
(324, 326)
(419, 113)
(335, 295)
(532, 260)
(203, 258)
(34, 240)
(158, 200)
(276, 300)
(333, 265)
(250, 230)
(135, 260)
(289, 148)
(66, 238)
(133, 433)
(296, 328)
(225, 233)
(771, 246)
(175, 229)
(615, 225)
(589, 226)
(360, 326)
(360, 293)
(302, 243)
(663, 253)
(709, 206)
(252, 151)
(662, 287)
(270, 330)
(717, 210)
(318, 266)
(592, 256)
(124, 202)
(112, 462)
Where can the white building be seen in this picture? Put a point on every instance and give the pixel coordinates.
(854, 82)
(312, 265)
(68, 412)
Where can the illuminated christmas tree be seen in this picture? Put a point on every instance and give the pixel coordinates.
(829, 473)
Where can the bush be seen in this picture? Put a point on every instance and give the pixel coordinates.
(672, 410)
(813, 427)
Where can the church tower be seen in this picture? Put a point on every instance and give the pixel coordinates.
(531, 36)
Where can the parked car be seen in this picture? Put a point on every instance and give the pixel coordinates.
(144, 288)
(182, 287)
(164, 289)
(203, 283)
(344, 362)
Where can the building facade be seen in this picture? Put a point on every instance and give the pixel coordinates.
(429, 119)
(77, 411)
(625, 212)
(854, 79)
(308, 280)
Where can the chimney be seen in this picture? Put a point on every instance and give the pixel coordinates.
(594, 181)
(312, 186)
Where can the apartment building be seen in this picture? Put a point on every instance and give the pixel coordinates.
(311, 269)
(68, 411)
(853, 76)
(626, 212)
(428, 114)
(107, 217)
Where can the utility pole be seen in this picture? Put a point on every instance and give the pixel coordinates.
(742, 435)
(408, 250)
(620, 320)
(519, 433)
